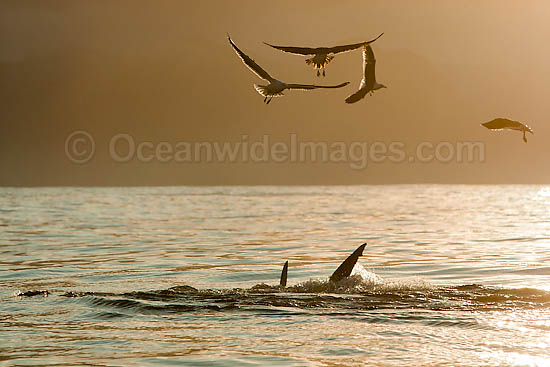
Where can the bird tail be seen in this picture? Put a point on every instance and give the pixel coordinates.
(262, 89)
(317, 65)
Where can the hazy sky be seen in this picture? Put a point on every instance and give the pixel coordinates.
(163, 71)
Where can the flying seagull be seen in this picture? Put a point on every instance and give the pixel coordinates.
(501, 124)
(368, 83)
(275, 87)
(321, 55)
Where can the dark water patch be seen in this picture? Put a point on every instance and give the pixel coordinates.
(314, 295)
(545, 270)
(108, 316)
(129, 306)
(32, 293)
(523, 298)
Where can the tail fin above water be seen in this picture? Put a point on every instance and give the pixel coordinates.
(284, 273)
(344, 270)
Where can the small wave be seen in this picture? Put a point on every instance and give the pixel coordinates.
(134, 306)
(361, 281)
(109, 315)
(363, 290)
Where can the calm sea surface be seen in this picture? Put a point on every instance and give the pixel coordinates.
(451, 275)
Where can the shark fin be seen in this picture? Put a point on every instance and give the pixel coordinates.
(284, 273)
(344, 270)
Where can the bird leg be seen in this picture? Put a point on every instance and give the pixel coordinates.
(323, 71)
(269, 100)
(524, 138)
(318, 72)
(265, 99)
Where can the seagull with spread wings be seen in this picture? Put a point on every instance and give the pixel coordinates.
(368, 83)
(275, 87)
(502, 124)
(321, 55)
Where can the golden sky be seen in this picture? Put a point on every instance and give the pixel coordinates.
(163, 71)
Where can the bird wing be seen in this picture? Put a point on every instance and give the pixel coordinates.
(255, 68)
(357, 96)
(321, 50)
(312, 86)
(369, 65)
(295, 50)
(350, 47)
(343, 48)
(369, 77)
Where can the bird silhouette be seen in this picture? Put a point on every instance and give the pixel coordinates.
(321, 55)
(505, 124)
(275, 87)
(368, 83)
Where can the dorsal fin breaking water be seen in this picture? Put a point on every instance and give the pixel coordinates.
(284, 274)
(344, 270)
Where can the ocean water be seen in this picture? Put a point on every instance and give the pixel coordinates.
(451, 276)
